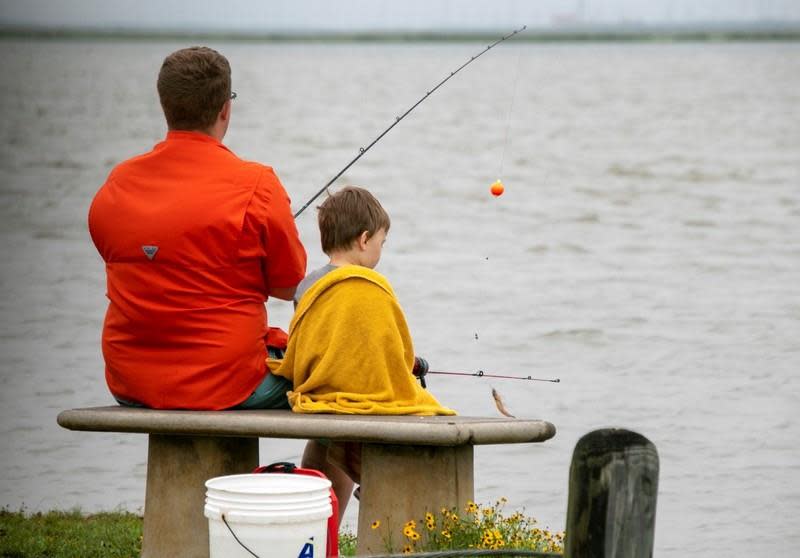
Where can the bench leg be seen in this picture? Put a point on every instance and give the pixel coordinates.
(177, 468)
(399, 483)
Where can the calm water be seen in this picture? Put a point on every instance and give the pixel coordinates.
(646, 252)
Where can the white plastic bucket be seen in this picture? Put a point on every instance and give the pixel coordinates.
(274, 515)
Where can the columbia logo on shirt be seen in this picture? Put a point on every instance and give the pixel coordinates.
(150, 251)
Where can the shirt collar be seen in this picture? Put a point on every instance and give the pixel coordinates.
(187, 135)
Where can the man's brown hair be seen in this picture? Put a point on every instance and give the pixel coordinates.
(348, 213)
(193, 85)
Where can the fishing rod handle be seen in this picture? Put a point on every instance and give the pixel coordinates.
(420, 369)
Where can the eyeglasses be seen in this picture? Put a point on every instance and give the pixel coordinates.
(233, 95)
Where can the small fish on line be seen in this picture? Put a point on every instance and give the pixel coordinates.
(498, 401)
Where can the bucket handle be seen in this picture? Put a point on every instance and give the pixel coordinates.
(225, 521)
(278, 467)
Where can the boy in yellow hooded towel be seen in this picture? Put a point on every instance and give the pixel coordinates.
(349, 349)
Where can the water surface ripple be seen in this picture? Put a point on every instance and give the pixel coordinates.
(646, 252)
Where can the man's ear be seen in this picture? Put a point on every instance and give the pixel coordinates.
(225, 113)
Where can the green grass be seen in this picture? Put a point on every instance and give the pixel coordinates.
(74, 534)
(70, 534)
(347, 543)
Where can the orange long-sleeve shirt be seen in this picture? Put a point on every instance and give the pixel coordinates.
(193, 239)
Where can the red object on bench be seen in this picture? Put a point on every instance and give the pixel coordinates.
(333, 520)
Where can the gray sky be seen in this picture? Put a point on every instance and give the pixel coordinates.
(337, 15)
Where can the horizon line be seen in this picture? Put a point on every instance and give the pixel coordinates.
(712, 30)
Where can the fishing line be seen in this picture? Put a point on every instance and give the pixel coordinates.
(363, 150)
(497, 187)
(508, 117)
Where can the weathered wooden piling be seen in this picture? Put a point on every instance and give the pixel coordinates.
(613, 484)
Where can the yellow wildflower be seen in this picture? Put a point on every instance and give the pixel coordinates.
(488, 537)
(407, 549)
(446, 534)
(375, 524)
(497, 534)
(471, 507)
(430, 521)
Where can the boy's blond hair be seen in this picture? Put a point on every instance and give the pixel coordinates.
(345, 215)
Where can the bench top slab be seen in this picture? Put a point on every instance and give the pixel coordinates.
(410, 430)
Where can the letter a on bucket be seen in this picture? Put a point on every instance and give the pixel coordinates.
(308, 550)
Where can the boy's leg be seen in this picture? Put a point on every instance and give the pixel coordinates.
(347, 457)
(315, 456)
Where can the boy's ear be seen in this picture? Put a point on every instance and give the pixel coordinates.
(362, 240)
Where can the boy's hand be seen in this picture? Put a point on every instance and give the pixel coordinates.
(420, 369)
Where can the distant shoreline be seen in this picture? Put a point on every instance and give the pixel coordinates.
(754, 33)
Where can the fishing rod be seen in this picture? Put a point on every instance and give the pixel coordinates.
(363, 150)
(422, 369)
(482, 374)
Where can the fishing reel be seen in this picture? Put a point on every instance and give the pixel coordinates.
(420, 369)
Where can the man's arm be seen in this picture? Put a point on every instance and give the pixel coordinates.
(285, 261)
(283, 293)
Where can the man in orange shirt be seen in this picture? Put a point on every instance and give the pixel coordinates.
(195, 240)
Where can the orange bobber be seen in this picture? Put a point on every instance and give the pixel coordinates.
(497, 188)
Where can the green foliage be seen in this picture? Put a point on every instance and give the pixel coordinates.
(347, 544)
(70, 534)
(476, 528)
(479, 527)
(73, 534)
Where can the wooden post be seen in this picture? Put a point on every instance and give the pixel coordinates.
(613, 483)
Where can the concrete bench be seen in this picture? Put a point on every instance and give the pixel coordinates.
(410, 464)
